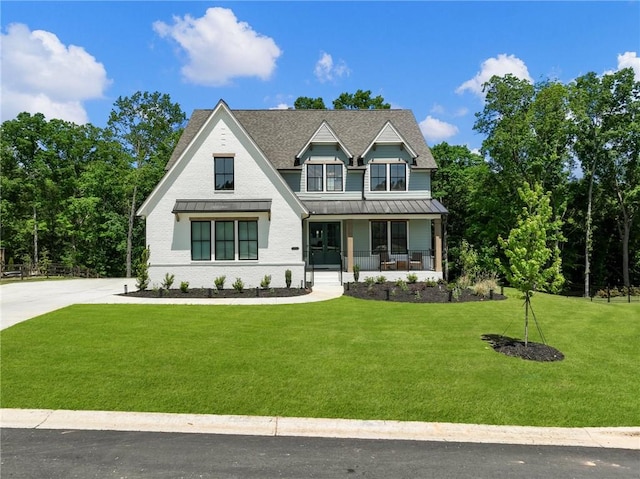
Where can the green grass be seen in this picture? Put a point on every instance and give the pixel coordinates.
(344, 358)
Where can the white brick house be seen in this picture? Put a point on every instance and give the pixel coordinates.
(249, 193)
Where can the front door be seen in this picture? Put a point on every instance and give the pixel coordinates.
(324, 244)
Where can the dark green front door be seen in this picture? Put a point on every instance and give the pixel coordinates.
(324, 243)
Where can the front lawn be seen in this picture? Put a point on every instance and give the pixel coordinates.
(345, 358)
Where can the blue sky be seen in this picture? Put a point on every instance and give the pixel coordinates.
(72, 60)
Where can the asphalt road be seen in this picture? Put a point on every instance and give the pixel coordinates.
(53, 454)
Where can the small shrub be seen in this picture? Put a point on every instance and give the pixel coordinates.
(167, 282)
(381, 279)
(238, 285)
(356, 272)
(266, 281)
(412, 278)
(142, 271)
(219, 282)
(369, 281)
(464, 282)
(484, 285)
(287, 278)
(418, 294)
(402, 284)
(430, 283)
(184, 286)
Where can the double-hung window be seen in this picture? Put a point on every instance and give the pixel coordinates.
(389, 236)
(201, 240)
(387, 177)
(314, 177)
(225, 240)
(325, 177)
(247, 239)
(223, 171)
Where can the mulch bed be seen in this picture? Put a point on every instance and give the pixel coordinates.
(516, 348)
(216, 293)
(418, 292)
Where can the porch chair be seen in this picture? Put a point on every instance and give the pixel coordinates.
(416, 260)
(386, 262)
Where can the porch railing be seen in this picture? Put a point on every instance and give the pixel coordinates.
(418, 260)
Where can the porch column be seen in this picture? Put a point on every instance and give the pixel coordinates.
(437, 233)
(349, 227)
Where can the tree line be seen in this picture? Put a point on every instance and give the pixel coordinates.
(70, 192)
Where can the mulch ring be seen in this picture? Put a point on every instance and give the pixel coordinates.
(516, 348)
(219, 293)
(419, 292)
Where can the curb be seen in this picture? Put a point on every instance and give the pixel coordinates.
(600, 437)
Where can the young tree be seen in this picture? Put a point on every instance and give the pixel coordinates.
(148, 125)
(533, 257)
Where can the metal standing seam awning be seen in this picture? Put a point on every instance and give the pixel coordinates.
(376, 207)
(221, 206)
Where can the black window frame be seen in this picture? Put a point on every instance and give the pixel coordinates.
(318, 179)
(337, 176)
(203, 244)
(245, 250)
(224, 173)
(222, 242)
(389, 235)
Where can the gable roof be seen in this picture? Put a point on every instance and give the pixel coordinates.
(281, 134)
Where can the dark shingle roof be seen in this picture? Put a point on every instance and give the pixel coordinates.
(376, 207)
(281, 134)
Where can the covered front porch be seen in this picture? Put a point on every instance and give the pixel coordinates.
(392, 244)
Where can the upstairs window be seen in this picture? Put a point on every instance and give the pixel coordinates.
(325, 177)
(388, 177)
(223, 173)
(314, 177)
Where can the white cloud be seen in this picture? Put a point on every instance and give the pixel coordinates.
(437, 109)
(500, 66)
(281, 106)
(326, 70)
(435, 130)
(630, 60)
(220, 48)
(463, 111)
(42, 75)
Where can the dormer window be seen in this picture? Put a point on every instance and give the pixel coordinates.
(324, 177)
(388, 176)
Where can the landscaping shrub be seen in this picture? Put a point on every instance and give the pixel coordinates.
(266, 281)
(167, 282)
(184, 286)
(238, 285)
(219, 282)
(412, 278)
(287, 278)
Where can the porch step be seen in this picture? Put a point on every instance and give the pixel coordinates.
(327, 277)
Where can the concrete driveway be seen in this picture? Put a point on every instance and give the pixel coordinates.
(27, 299)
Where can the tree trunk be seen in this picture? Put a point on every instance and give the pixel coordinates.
(35, 236)
(132, 216)
(588, 241)
(625, 251)
(526, 320)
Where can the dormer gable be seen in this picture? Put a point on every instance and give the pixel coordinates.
(324, 135)
(388, 135)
